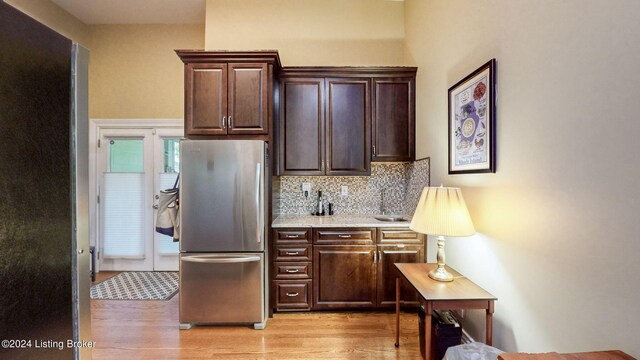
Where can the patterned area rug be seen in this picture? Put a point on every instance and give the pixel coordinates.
(137, 285)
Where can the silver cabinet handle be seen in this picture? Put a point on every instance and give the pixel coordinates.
(224, 122)
(214, 259)
(230, 122)
(258, 210)
(292, 294)
(291, 253)
(344, 236)
(374, 149)
(292, 236)
(292, 271)
(375, 257)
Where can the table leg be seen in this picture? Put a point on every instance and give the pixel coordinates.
(397, 312)
(428, 308)
(489, 324)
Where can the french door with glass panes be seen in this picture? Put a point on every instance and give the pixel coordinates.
(134, 166)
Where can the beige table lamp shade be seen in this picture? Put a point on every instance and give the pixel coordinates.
(442, 211)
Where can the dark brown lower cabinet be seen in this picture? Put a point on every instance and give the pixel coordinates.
(344, 277)
(342, 268)
(387, 273)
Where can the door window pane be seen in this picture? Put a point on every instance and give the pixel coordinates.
(126, 155)
(171, 156)
(166, 245)
(123, 229)
(170, 168)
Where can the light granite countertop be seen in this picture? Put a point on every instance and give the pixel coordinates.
(337, 221)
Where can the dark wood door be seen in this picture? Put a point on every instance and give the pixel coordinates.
(348, 126)
(302, 126)
(37, 293)
(344, 277)
(387, 273)
(247, 91)
(205, 99)
(393, 119)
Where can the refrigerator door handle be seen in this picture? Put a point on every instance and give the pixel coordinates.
(258, 212)
(216, 259)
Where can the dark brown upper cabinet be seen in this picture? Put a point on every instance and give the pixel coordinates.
(336, 120)
(348, 125)
(301, 126)
(393, 120)
(229, 93)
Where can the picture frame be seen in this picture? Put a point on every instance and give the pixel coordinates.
(472, 122)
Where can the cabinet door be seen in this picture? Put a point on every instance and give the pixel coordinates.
(302, 126)
(387, 273)
(348, 127)
(393, 119)
(344, 277)
(247, 90)
(205, 99)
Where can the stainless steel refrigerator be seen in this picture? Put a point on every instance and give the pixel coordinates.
(223, 272)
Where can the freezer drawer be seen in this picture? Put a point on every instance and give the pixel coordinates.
(221, 288)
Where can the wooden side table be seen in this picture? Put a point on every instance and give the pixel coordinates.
(461, 293)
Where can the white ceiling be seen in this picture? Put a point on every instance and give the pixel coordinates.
(135, 11)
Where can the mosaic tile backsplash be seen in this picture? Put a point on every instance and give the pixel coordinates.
(402, 184)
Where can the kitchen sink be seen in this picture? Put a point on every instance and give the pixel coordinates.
(390, 218)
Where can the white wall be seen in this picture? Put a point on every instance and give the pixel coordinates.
(558, 223)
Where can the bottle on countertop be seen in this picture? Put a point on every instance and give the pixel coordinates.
(320, 205)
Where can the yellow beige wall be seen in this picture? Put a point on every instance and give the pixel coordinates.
(134, 71)
(310, 32)
(557, 224)
(56, 18)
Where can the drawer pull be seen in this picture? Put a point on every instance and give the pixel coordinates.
(292, 294)
(344, 236)
(292, 271)
(292, 236)
(292, 253)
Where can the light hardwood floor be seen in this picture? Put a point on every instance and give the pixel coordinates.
(149, 330)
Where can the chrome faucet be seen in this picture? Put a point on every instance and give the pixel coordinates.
(382, 207)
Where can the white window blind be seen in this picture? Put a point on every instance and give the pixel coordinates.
(123, 214)
(166, 245)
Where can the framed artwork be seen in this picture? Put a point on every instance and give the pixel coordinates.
(472, 122)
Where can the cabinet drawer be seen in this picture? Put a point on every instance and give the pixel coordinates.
(293, 253)
(288, 236)
(399, 235)
(293, 294)
(292, 270)
(345, 236)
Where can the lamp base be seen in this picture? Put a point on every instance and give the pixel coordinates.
(440, 274)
